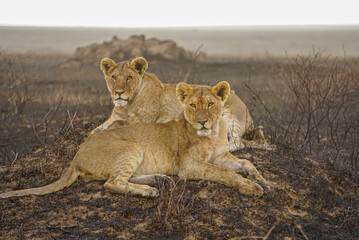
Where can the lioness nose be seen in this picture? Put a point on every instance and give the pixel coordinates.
(202, 122)
(119, 93)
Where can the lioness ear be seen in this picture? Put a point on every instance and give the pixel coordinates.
(221, 90)
(183, 90)
(139, 64)
(107, 65)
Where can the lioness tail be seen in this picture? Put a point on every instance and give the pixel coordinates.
(66, 180)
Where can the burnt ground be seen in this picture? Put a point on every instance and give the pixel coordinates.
(309, 200)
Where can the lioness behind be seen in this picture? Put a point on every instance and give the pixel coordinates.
(139, 97)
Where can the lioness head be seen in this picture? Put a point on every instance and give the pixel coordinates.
(123, 79)
(203, 105)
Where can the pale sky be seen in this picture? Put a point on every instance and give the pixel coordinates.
(167, 13)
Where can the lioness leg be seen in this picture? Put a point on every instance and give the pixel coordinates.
(235, 131)
(207, 171)
(102, 127)
(128, 161)
(149, 179)
(111, 123)
(234, 139)
(241, 166)
(121, 185)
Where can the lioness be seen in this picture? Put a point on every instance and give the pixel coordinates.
(194, 146)
(139, 97)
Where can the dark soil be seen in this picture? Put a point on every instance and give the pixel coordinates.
(309, 200)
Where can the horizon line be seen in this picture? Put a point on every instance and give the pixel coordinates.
(189, 27)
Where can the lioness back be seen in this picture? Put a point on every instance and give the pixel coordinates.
(158, 143)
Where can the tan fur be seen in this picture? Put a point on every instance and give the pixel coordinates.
(194, 146)
(146, 100)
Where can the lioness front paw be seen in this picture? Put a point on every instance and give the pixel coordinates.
(250, 188)
(257, 190)
(262, 182)
(117, 124)
(150, 192)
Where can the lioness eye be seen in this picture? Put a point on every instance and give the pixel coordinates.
(193, 105)
(210, 104)
(113, 77)
(129, 78)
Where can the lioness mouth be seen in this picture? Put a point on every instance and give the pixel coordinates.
(119, 98)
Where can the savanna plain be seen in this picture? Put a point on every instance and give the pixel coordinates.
(307, 104)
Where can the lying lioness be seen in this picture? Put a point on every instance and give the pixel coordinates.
(194, 146)
(139, 97)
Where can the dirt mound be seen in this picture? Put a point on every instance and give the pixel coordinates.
(308, 200)
(134, 46)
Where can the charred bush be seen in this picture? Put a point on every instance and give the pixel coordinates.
(14, 97)
(21, 131)
(317, 113)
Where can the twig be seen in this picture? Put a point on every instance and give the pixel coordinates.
(301, 230)
(270, 231)
(37, 135)
(72, 126)
(16, 156)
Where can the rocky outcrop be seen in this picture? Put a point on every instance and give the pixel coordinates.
(134, 46)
